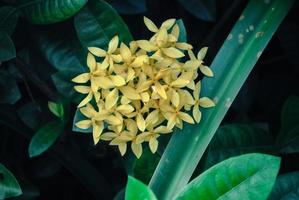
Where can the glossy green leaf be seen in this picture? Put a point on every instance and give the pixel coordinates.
(50, 11)
(7, 47)
(202, 9)
(288, 138)
(9, 186)
(98, 23)
(249, 176)
(57, 109)
(10, 92)
(236, 139)
(44, 138)
(136, 190)
(130, 7)
(286, 187)
(231, 66)
(8, 19)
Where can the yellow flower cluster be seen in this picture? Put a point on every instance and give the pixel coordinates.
(143, 90)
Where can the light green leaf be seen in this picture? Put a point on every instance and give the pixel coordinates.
(44, 138)
(136, 190)
(98, 23)
(50, 11)
(57, 109)
(249, 176)
(8, 19)
(9, 186)
(236, 139)
(7, 47)
(286, 187)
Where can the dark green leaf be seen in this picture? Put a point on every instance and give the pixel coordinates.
(136, 190)
(249, 176)
(129, 6)
(7, 48)
(202, 9)
(236, 139)
(9, 186)
(8, 19)
(30, 114)
(286, 187)
(51, 11)
(44, 138)
(98, 23)
(57, 109)
(290, 114)
(145, 166)
(10, 92)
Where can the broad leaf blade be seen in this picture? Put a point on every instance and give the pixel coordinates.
(9, 186)
(7, 47)
(290, 114)
(57, 109)
(51, 11)
(8, 19)
(10, 92)
(286, 187)
(98, 23)
(136, 190)
(249, 176)
(44, 138)
(231, 67)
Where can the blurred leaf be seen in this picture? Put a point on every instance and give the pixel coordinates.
(236, 139)
(98, 23)
(9, 186)
(129, 7)
(8, 19)
(51, 11)
(288, 138)
(7, 48)
(10, 92)
(44, 138)
(136, 190)
(249, 176)
(145, 166)
(286, 187)
(183, 33)
(57, 109)
(30, 115)
(202, 9)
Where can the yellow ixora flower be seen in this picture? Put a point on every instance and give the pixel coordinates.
(139, 91)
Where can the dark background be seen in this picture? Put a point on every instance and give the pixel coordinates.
(61, 173)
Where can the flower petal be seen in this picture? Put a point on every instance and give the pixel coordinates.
(196, 113)
(111, 99)
(191, 65)
(91, 62)
(112, 46)
(191, 55)
(96, 132)
(145, 97)
(161, 37)
(202, 53)
(171, 122)
(97, 51)
(173, 52)
(84, 124)
(117, 80)
(137, 149)
(183, 46)
(150, 25)
(122, 147)
(85, 100)
(139, 61)
(196, 91)
(125, 53)
(179, 83)
(160, 90)
(153, 144)
(140, 122)
(108, 136)
(206, 70)
(162, 129)
(146, 45)
(168, 24)
(104, 82)
(206, 102)
(82, 78)
(125, 109)
(130, 92)
(82, 89)
(185, 117)
(111, 119)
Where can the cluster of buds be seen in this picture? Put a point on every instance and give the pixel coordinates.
(141, 91)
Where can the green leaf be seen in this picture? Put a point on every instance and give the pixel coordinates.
(44, 138)
(50, 11)
(129, 7)
(183, 33)
(136, 190)
(10, 92)
(30, 114)
(79, 117)
(249, 176)
(145, 166)
(231, 67)
(7, 48)
(9, 186)
(288, 138)
(290, 114)
(98, 23)
(286, 187)
(236, 139)
(8, 19)
(202, 9)
(57, 109)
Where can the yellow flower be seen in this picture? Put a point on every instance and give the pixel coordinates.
(204, 102)
(141, 90)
